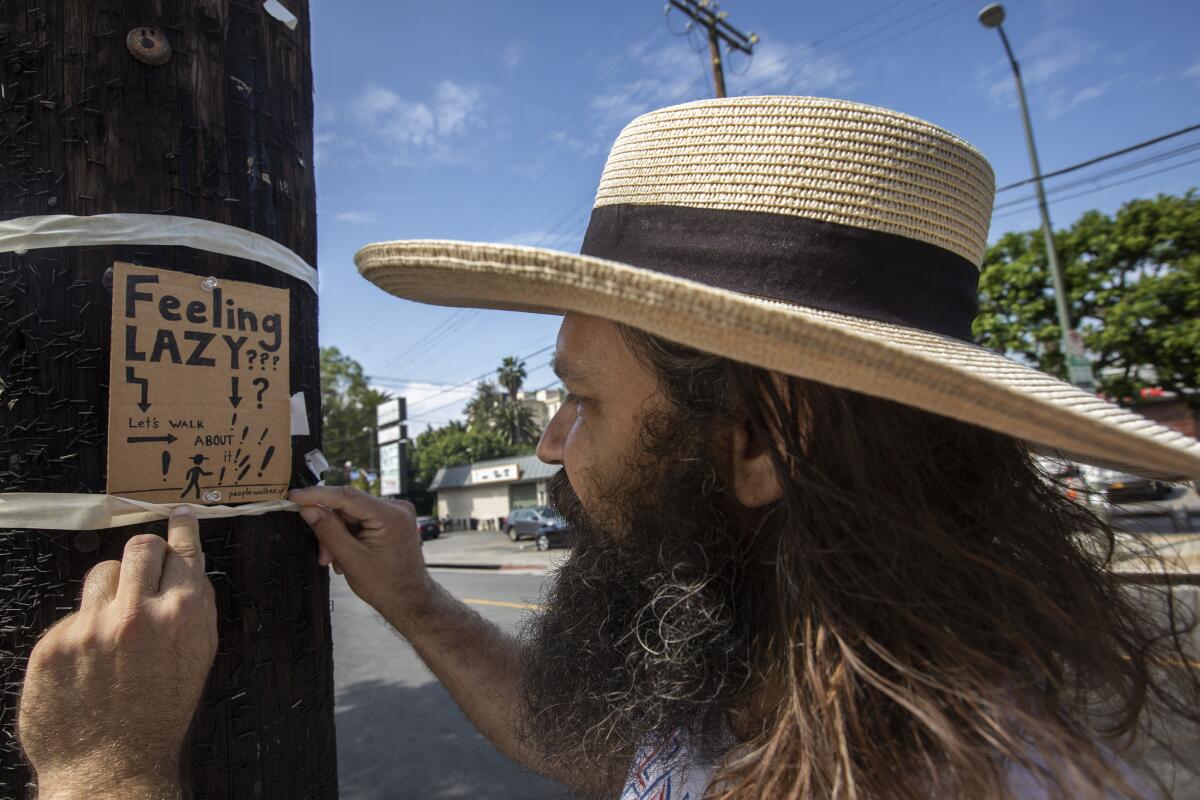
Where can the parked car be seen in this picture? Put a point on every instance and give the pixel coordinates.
(429, 528)
(530, 522)
(1070, 478)
(553, 537)
(1121, 487)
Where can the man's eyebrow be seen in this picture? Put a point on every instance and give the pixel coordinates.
(567, 370)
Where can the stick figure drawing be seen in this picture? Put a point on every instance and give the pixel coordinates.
(193, 475)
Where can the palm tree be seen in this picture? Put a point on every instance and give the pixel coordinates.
(482, 407)
(511, 375)
(515, 423)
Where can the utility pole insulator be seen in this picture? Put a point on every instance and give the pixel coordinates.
(705, 13)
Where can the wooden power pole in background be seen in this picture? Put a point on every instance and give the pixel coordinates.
(205, 111)
(706, 14)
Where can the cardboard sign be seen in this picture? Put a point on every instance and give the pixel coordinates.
(198, 389)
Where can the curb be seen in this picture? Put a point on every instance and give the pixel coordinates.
(495, 567)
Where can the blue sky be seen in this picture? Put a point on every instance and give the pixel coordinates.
(491, 121)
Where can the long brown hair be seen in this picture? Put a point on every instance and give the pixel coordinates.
(936, 614)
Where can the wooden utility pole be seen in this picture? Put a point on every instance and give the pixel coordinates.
(707, 14)
(191, 108)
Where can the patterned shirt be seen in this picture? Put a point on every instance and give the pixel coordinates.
(662, 772)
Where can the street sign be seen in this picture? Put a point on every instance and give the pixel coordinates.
(392, 433)
(504, 472)
(389, 412)
(1079, 366)
(391, 469)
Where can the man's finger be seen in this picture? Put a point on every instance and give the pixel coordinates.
(100, 584)
(332, 534)
(141, 567)
(359, 505)
(185, 558)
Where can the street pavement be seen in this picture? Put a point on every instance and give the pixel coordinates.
(484, 549)
(399, 734)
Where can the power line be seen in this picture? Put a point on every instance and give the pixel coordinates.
(1130, 167)
(450, 338)
(705, 14)
(1103, 157)
(841, 50)
(1120, 170)
(940, 18)
(472, 380)
(427, 337)
(459, 400)
(1112, 185)
(850, 26)
(541, 340)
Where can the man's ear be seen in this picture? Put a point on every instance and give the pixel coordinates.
(755, 480)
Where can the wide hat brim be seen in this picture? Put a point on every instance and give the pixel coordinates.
(933, 372)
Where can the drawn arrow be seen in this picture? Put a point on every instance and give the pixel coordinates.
(130, 377)
(234, 397)
(169, 439)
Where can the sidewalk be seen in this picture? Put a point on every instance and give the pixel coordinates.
(488, 550)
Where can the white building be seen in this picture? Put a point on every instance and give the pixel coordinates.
(487, 491)
(544, 403)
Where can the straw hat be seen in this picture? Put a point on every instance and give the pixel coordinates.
(819, 238)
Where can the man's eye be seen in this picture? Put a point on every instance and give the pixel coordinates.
(574, 399)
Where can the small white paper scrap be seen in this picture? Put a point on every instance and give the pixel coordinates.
(299, 415)
(279, 12)
(317, 464)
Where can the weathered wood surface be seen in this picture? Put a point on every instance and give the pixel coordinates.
(222, 131)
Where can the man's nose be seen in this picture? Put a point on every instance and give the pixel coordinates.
(550, 446)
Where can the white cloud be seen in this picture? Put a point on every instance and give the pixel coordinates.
(430, 128)
(780, 68)
(1060, 102)
(670, 75)
(356, 217)
(674, 73)
(1047, 64)
(511, 56)
(1193, 71)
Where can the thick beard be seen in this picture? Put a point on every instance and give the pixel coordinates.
(641, 633)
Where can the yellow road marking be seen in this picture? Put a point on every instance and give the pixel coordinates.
(475, 601)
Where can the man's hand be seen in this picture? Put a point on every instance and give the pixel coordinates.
(111, 689)
(374, 542)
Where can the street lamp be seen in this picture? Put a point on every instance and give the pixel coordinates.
(992, 16)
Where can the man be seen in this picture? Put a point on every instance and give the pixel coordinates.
(813, 557)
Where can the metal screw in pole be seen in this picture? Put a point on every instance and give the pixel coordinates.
(992, 16)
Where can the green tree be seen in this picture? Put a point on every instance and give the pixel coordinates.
(347, 406)
(511, 375)
(514, 422)
(451, 445)
(1133, 291)
(481, 408)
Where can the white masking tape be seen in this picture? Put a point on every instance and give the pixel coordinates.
(299, 415)
(280, 12)
(88, 512)
(66, 230)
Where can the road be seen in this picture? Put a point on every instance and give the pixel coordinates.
(399, 734)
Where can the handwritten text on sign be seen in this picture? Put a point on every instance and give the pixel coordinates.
(198, 389)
